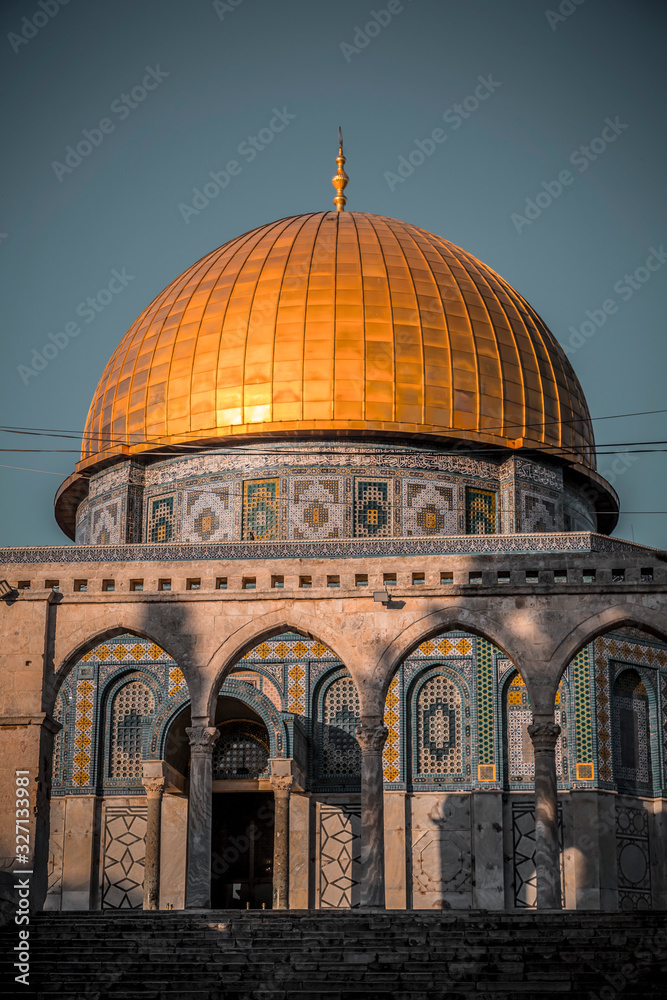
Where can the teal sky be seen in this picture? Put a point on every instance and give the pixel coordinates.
(219, 71)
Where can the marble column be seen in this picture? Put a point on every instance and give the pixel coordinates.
(544, 734)
(281, 795)
(198, 886)
(372, 739)
(154, 791)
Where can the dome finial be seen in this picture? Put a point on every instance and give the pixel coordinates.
(340, 181)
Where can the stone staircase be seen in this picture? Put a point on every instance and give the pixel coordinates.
(335, 954)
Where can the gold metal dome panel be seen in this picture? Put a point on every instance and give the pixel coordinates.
(338, 322)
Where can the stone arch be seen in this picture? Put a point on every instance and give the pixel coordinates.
(250, 635)
(453, 618)
(81, 641)
(608, 620)
(264, 708)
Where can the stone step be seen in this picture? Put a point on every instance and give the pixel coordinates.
(307, 955)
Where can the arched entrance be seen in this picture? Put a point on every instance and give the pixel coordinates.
(243, 810)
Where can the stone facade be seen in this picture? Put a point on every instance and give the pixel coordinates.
(455, 663)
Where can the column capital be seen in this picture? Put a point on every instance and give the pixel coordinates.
(281, 783)
(371, 738)
(544, 735)
(202, 739)
(154, 787)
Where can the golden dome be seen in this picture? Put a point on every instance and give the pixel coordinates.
(338, 322)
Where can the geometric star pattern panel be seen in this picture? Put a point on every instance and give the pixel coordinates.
(429, 508)
(485, 708)
(124, 851)
(340, 855)
(106, 524)
(391, 764)
(539, 514)
(317, 508)
(583, 701)
(208, 515)
(633, 858)
(84, 720)
(289, 646)
(523, 853)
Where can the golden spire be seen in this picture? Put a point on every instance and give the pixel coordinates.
(340, 181)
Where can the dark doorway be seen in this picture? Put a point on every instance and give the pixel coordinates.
(242, 850)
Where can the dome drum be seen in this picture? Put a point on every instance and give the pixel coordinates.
(315, 492)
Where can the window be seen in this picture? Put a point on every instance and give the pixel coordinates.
(418, 579)
(389, 579)
(277, 582)
(52, 584)
(474, 577)
(305, 582)
(589, 576)
(221, 583)
(446, 578)
(631, 733)
(23, 585)
(249, 583)
(80, 586)
(108, 586)
(136, 585)
(132, 709)
(193, 585)
(339, 748)
(646, 576)
(241, 750)
(560, 576)
(361, 580)
(333, 581)
(532, 576)
(164, 585)
(503, 576)
(618, 576)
